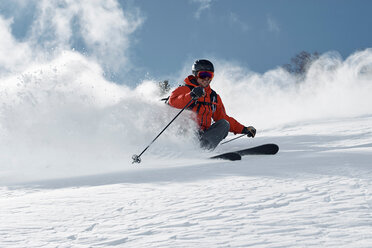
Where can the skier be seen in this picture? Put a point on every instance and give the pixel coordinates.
(207, 105)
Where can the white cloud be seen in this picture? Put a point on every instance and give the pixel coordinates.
(236, 22)
(203, 5)
(13, 54)
(273, 25)
(101, 27)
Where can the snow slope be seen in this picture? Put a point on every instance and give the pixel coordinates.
(316, 192)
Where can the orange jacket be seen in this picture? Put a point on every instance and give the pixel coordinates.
(206, 108)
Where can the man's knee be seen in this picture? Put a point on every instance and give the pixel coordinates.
(213, 136)
(225, 126)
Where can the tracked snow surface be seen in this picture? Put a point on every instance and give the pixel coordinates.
(316, 192)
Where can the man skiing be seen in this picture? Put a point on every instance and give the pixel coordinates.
(207, 105)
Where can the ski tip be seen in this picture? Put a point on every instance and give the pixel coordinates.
(274, 148)
(266, 149)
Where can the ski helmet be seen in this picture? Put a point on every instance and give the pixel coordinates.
(202, 65)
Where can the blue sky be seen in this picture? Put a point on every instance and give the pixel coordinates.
(134, 40)
(260, 35)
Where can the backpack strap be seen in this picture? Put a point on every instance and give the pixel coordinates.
(214, 100)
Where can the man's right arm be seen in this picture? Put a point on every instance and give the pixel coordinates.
(180, 97)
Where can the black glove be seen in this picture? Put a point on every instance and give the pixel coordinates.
(250, 131)
(197, 92)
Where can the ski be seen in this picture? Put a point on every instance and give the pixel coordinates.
(266, 149)
(232, 156)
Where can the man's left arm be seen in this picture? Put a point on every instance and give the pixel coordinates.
(220, 113)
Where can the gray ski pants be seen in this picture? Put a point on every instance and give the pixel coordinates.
(210, 138)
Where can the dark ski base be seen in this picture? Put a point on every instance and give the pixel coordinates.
(267, 149)
(232, 156)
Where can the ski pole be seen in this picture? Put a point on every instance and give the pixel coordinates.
(137, 158)
(233, 139)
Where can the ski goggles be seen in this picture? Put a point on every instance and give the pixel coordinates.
(205, 74)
